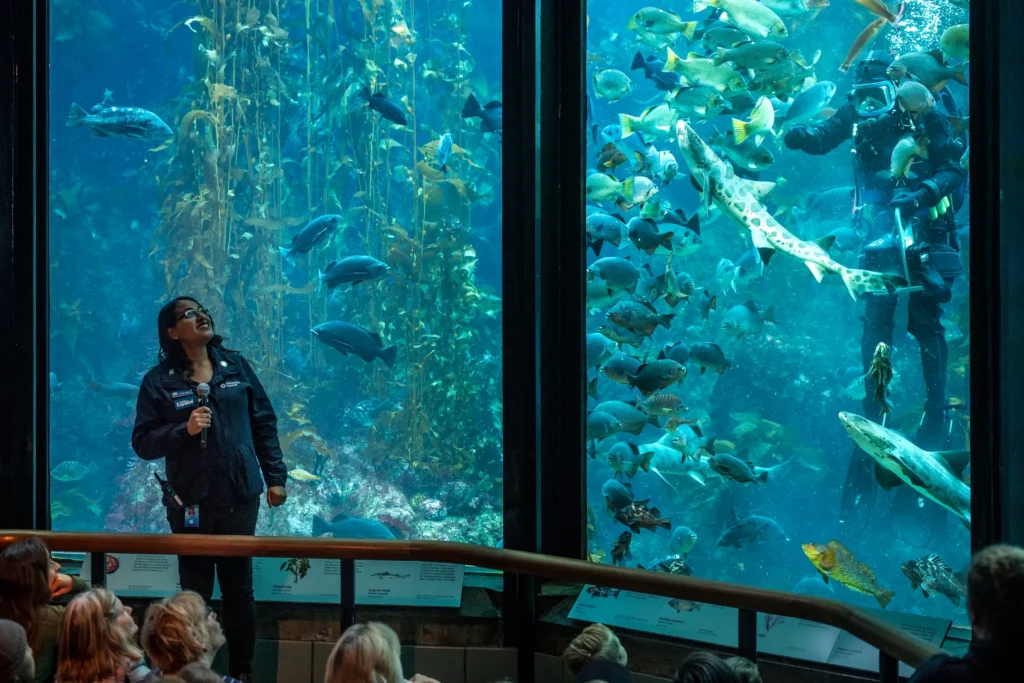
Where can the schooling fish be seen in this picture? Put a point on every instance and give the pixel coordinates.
(616, 495)
(314, 233)
(652, 67)
(444, 151)
(620, 367)
(656, 375)
(355, 340)
(612, 84)
(129, 122)
(489, 114)
(682, 541)
(625, 458)
(750, 529)
(709, 356)
(385, 107)
(343, 526)
(750, 16)
(354, 269)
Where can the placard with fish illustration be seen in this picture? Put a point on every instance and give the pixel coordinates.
(415, 584)
(853, 652)
(797, 638)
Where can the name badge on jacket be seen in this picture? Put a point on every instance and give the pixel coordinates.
(185, 402)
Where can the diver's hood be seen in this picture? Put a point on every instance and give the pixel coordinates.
(873, 99)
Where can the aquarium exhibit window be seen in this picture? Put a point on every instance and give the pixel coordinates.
(293, 166)
(737, 392)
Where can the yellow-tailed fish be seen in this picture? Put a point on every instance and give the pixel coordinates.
(956, 41)
(603, 188)
(612, 84)
(762, 119)
(655, 121)
(662, 22)
(835, 561)
(903, 155)
(749, 16)
(699, 70)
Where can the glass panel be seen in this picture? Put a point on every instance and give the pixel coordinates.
(726, 352)
(324, 178)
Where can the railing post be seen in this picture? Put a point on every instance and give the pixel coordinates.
(98, 565)
(888, 668)
(748, 634)
(348, 593)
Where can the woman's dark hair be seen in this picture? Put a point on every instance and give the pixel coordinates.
(25, 584)
(704, 667)
(170, 349)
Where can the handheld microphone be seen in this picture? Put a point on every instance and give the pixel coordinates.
(203, 390)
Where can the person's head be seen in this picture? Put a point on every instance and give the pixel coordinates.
(93, 645)
(179, 631)
(199, 673)
(16, 663)
(366, 653)
(744, 669)
(704, 667)
(596, 641)
(995, 591)
(874, 92)
(184, 323)
(26, 572)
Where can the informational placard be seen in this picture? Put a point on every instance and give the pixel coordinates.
(797, 638)
(419, 584)
(296, 579)
(655, 614)
(856, 654)
(131, 575)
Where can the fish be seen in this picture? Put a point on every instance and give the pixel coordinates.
(599, 349)
(836, 562)
(740, 471)
(682, 541)
(662, 404)
(116, 389)
(690, 442)
(880, 374)
(878, 8)
(604, 227)
(808, 105)
(786, 77)
(600, 297)
(914, 97)
(621, 335)
(616, 272)
(932, 575)
(725, 274)
(756, 54)
(679, 352)
(602, 187)
(344, 526)
(861, 42)
(679, 286)
(489, 114)
(444, 151)
(300, 474)
(638, 516)
(389, 109)
(313, 234)
(708, 303)
(620, 368)
(645, 236)
(611, 133)
(656, 375)
(72, 470)
(616, 495)
(722, 35)
(625, 458)
(660, 165)
(955, 41)
(680, 605)
(661, 22)
(933, 474)
(656, 121)
(601, 425)
(620, 551)
(632, 419)
(653, 71)
(352, 270)
(709, 356)
(612, 84)
(749, 266)
(610, 157)
(638, 189)
(129, 122)
(760, 125)
(746, 318)
(846, 240)
(794, 8)
(353, 339)
(734, 196)
(748, 156)
(750, 16)
(642, 317)
(698, 103)
(750, 529)
(699, 70)
(686, 237)
(668, 462)
(928, 69)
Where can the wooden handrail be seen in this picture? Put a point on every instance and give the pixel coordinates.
(854, 620)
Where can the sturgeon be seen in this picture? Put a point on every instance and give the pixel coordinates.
(740, 200)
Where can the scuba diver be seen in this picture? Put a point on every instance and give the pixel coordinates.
(927, 201)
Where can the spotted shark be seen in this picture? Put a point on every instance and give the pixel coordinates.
(936, 475)
(740, 199)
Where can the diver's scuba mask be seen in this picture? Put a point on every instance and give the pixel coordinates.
(871, 100)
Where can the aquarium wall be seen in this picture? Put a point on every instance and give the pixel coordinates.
(292, 166)
(779, 361)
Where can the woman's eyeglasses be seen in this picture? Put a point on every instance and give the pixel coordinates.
(191, 314)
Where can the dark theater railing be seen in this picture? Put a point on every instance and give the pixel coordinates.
(893, 645)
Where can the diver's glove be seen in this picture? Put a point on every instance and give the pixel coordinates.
(907, 200)
(798, 137)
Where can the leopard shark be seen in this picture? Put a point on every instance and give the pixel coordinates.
(740, 199)
(936, 475)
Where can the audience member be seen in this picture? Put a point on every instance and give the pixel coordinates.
(15, 655)
(199, 673)
(179, 631)
(368, 653)
(603, 671)
(595, 642)
(29, 580)
(704, 667)
(744, 669)
(94, 646)
(995, 603)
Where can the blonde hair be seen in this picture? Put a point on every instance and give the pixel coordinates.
(744, 669)
(91, 646)
(175, 633)
(366, 653)
(596, 641)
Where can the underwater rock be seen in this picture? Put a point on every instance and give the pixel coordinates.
(433, 509)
